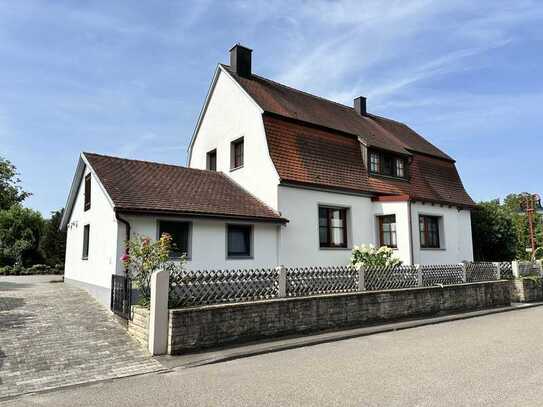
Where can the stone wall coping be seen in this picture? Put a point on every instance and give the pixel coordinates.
(324, 296)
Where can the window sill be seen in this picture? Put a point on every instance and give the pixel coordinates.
(84, 258)
(239, 257)
(391, 177)
(236, 168)
(335, 248)
(434, 248)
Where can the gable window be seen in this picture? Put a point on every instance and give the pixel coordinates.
(387, 231)
(429, 232)
(387, 164)
(86, 235)
(236, 154)
(180, 233)
(332, 227)
(239, 241)
(211, 160)
(87, 192)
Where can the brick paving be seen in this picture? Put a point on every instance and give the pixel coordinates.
(53, 335)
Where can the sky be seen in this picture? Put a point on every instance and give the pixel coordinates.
(129, 78)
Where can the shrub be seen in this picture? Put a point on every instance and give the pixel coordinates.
(145, 257)
(365, 256)
(28, 271)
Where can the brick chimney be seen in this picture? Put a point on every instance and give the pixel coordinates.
(360, 106)
(240, 60)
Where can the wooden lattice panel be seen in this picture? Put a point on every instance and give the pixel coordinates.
(321, 280)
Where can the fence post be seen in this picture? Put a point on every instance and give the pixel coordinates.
(540, 267)
(464, 272)
(515, 268)
(361, 279)
(498, 270)
(158, 313)
(282, 281)
(419, 275)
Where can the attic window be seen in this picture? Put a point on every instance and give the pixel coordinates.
(386, 164)
(87, 200)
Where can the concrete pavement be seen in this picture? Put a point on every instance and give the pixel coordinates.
(495, 360)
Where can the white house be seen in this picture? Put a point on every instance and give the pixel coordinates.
(276, 177)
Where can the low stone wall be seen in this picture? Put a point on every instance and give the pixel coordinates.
(196, 328)
(138, 327)
(526, 290)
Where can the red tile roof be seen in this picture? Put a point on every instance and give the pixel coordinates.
(148, 187)
(376, 131)
(303, 154)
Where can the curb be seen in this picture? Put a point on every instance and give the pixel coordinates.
(229, 354)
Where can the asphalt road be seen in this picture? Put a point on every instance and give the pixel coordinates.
(495, 360)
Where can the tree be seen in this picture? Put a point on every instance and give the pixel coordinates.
(20, 232)
(494, 232)
(54, 240)
(10, 191)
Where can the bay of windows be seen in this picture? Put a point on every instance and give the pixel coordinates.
(387, 164)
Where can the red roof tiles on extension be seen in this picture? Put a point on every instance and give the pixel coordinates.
(148, 187)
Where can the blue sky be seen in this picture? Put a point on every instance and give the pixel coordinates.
(129, 78)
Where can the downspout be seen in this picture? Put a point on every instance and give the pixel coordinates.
(127, 233)
(410, 227)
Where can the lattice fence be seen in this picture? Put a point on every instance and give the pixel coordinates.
(320, 280)
(220, 286)
(483, 271)
(387, 278)
(506, 270)
(528, 268)
(443, 274)
(192, 288)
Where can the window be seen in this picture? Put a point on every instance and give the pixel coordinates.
(332, 227)
(239, 241)
(387, 164)
(211, 161)
(400, 167)
(86, 232)
(429, 232)
(87, 192)
(236, 154)
(180, 232)
(374, 162)
(387, 231)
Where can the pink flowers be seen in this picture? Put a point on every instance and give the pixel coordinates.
(125, 258)
(146, 241)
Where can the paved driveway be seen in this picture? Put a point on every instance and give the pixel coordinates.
(55, 335)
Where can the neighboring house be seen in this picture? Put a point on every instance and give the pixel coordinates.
(277, 177)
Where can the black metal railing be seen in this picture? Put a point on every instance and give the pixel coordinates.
(121, 296)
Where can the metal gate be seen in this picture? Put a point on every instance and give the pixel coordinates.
(121, 296)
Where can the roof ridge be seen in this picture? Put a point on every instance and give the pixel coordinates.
(298, 90)
(149, 162)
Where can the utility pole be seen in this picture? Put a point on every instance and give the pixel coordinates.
(529, 203)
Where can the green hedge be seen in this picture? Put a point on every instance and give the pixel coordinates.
(35, 269)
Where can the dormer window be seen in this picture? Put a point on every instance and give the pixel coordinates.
(387, 164)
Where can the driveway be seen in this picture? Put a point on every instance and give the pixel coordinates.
(53, 335)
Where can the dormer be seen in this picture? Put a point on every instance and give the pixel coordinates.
(387, 164)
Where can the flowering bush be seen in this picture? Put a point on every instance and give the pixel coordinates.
(144, 257)
(365, 256)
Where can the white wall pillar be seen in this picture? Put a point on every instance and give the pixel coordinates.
(158, 314)
(282, 281)
(516, 270)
